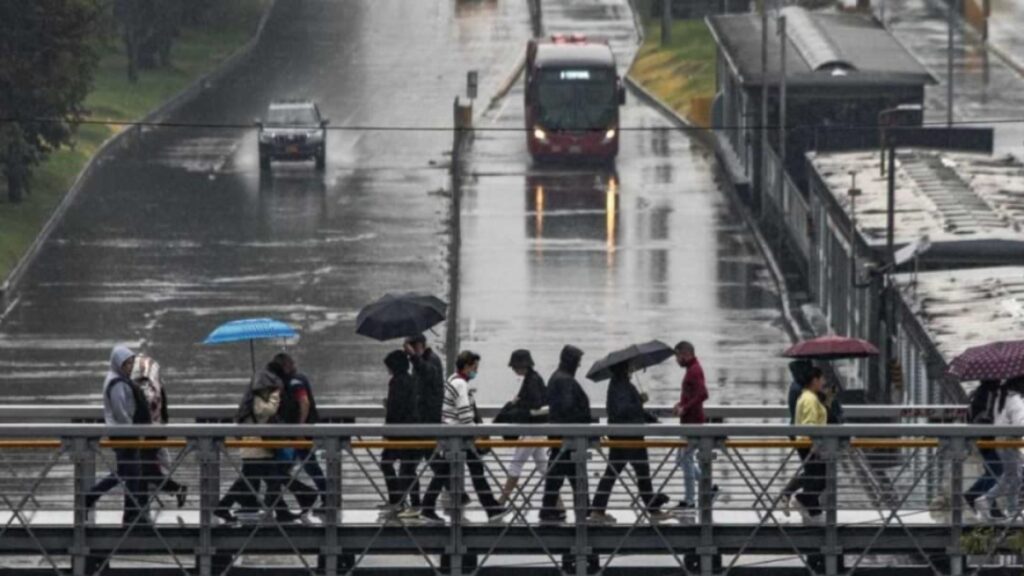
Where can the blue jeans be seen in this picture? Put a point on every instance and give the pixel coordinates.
(993, 469)
(691, 473)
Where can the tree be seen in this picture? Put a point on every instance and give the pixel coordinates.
(148, 29)
(46, 69)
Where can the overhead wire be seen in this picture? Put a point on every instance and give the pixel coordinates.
(980, 122)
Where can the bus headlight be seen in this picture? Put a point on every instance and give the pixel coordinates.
(610, 134)
(539, 134)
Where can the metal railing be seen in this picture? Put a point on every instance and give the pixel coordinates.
(900, 509)
(348, 413)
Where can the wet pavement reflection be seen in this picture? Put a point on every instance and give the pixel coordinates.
(177, 231)
(603, 257)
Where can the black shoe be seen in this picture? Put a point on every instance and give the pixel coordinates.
(430, 515)
(226, 515)
(552, 517)
(714, 492)
(995, 512)
(683, 506)
(657, 501)
(182, 496)
(286, 516)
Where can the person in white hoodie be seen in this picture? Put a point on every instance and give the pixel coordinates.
(1009, 412)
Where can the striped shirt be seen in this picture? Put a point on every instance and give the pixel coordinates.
(458, 406)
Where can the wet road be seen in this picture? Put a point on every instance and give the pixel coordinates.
(178, 232)
(602, 258)
(985, 88)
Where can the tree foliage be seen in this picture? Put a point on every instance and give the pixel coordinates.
(46, 69)
(148, 29)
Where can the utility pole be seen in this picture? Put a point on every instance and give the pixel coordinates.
(666, 22)
(782, 105)
(954, 6)
(764, 100)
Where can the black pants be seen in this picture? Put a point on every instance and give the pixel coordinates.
(442, 479)
(561, 468)
(401, 483)
(811, 481)
(131, 468)
(617, 460)
(266, 472)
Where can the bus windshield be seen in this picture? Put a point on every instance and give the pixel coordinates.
(576, 99)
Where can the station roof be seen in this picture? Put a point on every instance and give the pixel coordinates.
(556, 55)
(823, 49)
(959, 309)
(969, 205)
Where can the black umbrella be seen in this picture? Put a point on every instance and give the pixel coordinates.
(638, 356)
(400, 315)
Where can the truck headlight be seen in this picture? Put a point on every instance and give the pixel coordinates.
(609, 134)
(315, 137)
(539, 134)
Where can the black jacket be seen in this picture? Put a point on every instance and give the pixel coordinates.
(625, 406)
(533, 394)
(429, 386)
(567, 402)
(401, 406)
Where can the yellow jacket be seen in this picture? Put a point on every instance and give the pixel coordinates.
(810, 411)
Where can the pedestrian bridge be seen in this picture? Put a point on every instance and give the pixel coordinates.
(886, 480)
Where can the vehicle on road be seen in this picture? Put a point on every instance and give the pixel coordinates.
(293, 130)
(573, 94)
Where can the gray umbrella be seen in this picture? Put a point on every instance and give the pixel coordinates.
(638, 356)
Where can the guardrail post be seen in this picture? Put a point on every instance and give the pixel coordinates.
(957, 448)
(708, 552)
(209, 494)
(829, 449)
(331, 501)
(84, 461)
(455, 453)
(580, 446)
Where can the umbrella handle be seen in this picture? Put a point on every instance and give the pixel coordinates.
(252, 354)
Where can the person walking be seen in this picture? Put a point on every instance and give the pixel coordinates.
(260, 466)
(124, 404)
(567, 403)
(460, 408)
(1009, 412)
(298, 406)
(532, 403)
(399, 408)
(981, 411)
(690, 410)
(156, 461)
(811, 412)
(429, 375)
(625, 406)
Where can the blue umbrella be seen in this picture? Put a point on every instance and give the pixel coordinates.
(250, 329)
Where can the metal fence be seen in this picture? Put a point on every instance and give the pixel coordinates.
(885, 495)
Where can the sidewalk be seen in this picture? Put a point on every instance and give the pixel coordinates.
(985, 87)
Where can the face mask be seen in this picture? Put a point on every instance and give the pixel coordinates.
(471, 375)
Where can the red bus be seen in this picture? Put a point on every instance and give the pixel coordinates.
(573, 94)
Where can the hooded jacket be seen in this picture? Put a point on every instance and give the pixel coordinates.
(123, 401)
(401, 404)
(567, 401)
(429, 386)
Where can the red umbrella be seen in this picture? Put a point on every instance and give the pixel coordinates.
(995, 361)
(832, 348)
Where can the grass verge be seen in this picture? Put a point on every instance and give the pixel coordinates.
(681, 74)
(197, 51)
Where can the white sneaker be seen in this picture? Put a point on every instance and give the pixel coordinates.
(408, 513)
(659, 515)
(601, 519)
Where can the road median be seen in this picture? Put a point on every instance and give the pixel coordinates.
(199, 56)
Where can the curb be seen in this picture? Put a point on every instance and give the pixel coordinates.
(706, 138)
(17, 273)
